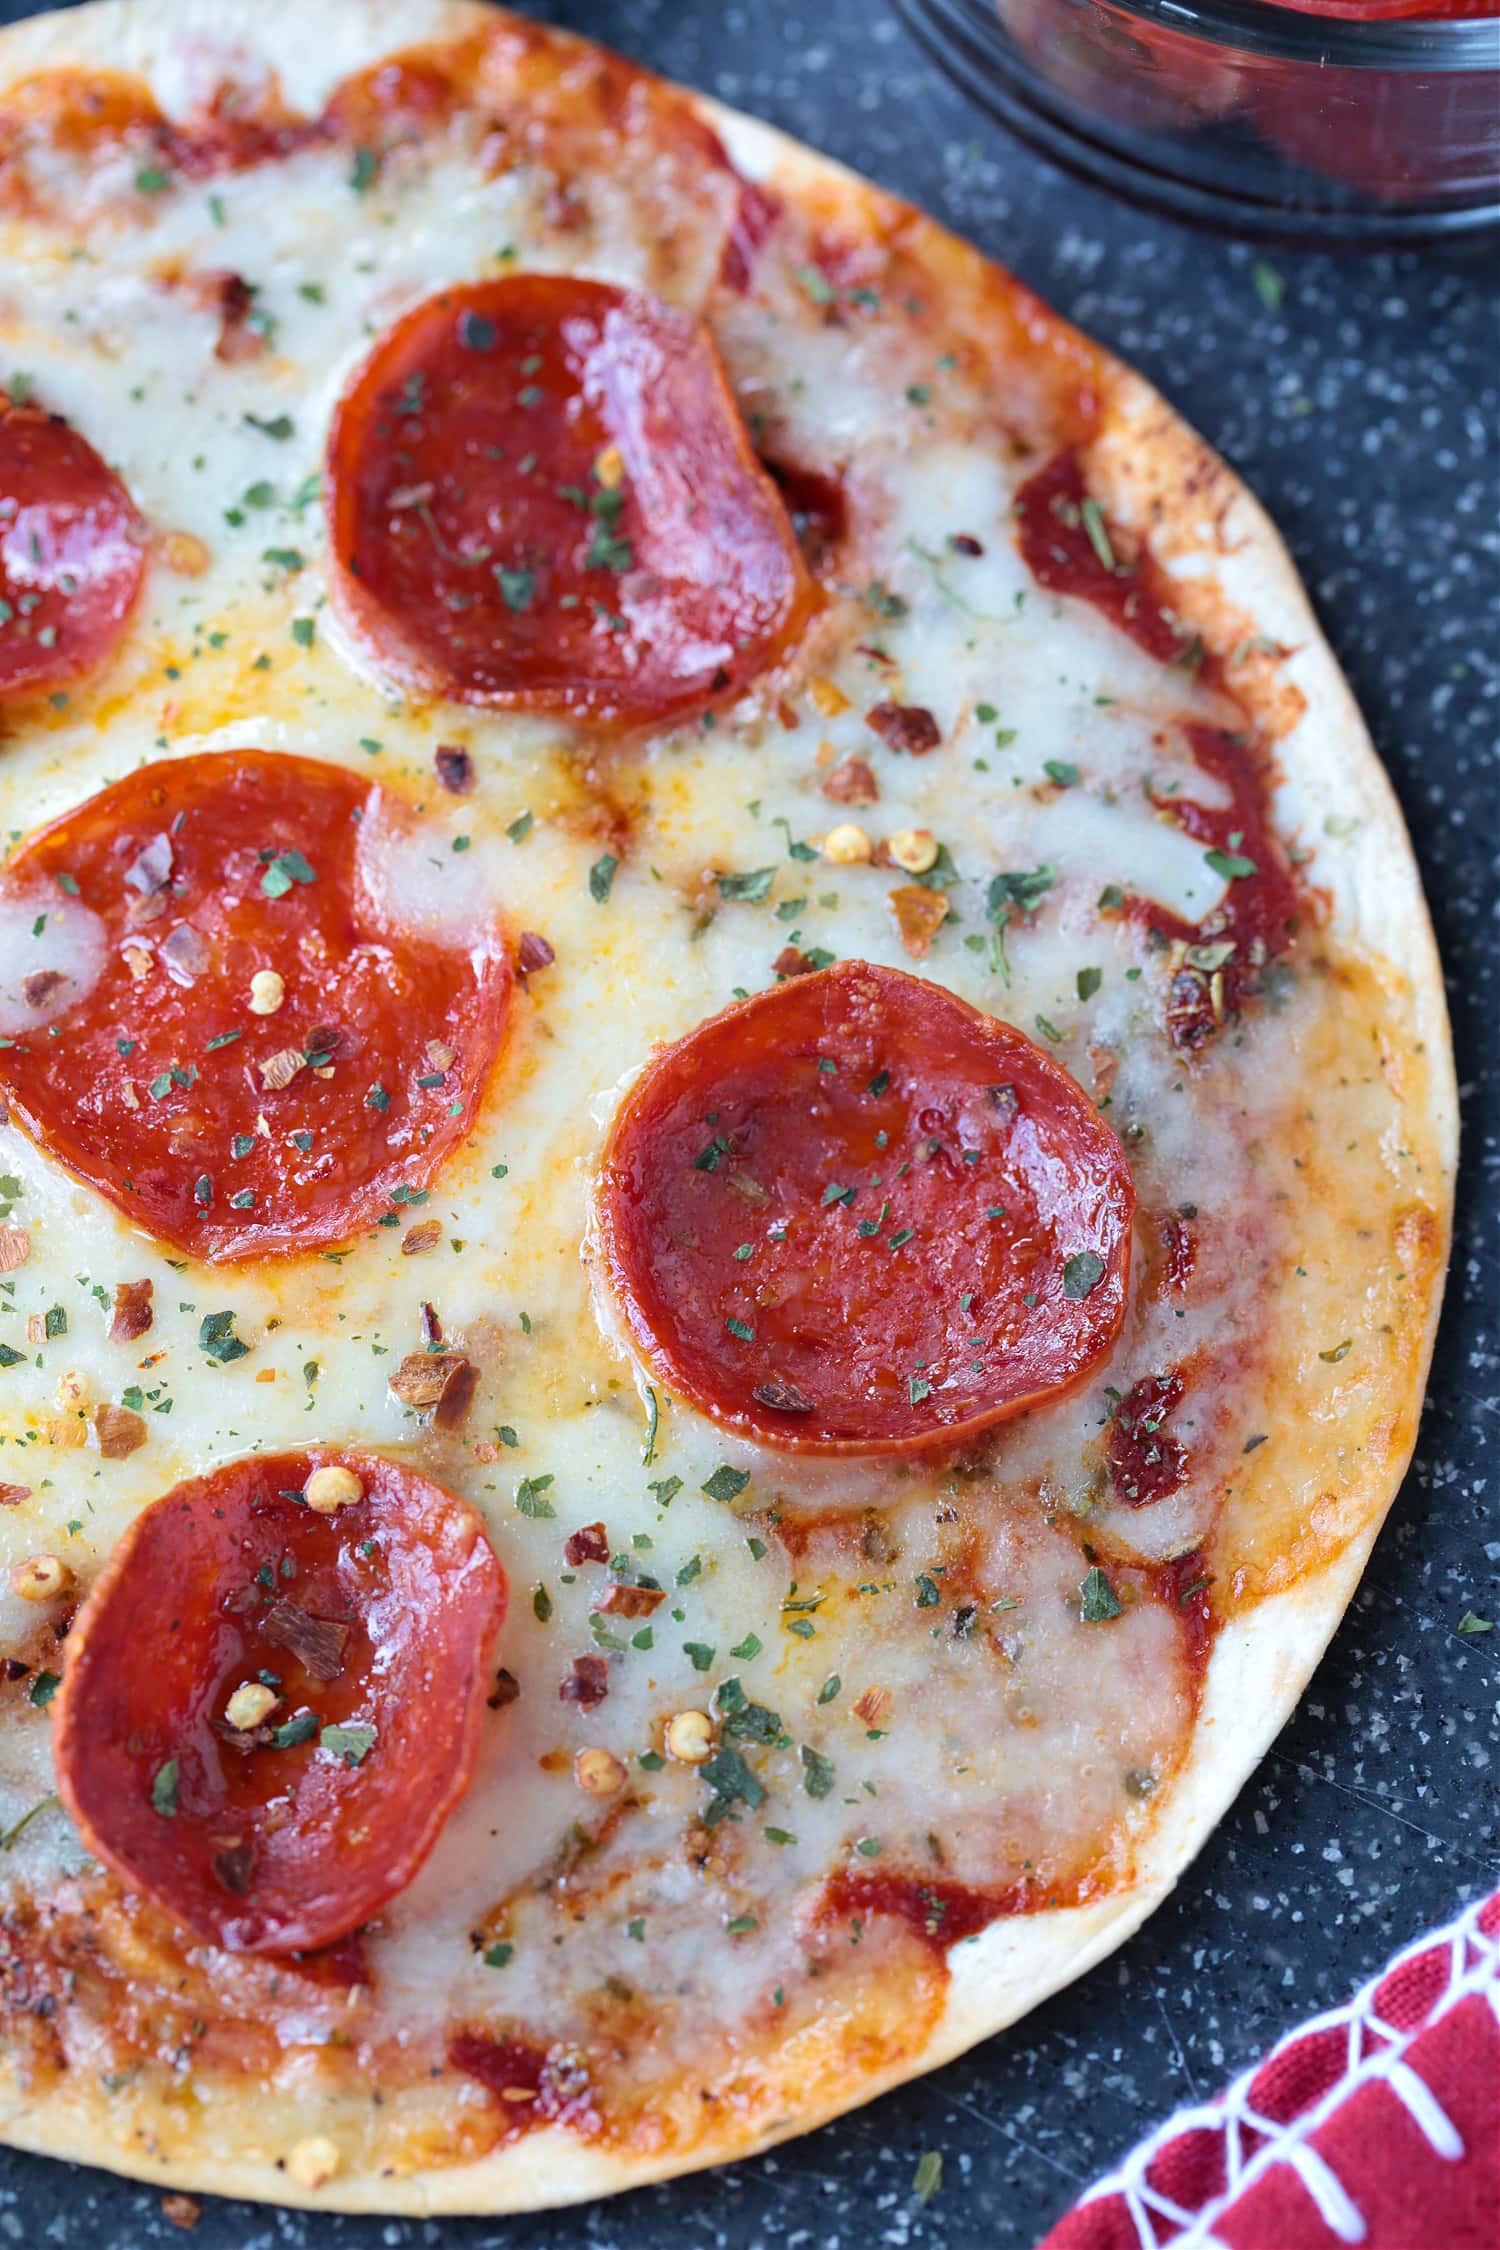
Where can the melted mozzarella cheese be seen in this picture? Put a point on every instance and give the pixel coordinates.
(51, 952)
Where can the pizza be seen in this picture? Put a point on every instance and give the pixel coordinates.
(728, 1120)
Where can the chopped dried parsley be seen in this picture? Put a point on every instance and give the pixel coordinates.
(1231, 865)
(817, 1771)
(285, 869)
(294, 1731)
(351, 1743)
(1020, 889)
(752, 887)
(1082, 1273)
(732, 1782)
(1097, 1598)
(815, 285)
(216, 1336)
(531, 1497)
(1098, 535)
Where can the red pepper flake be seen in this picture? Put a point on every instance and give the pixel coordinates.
(905, 726)
(437, 1383)
(621, 1600)
(455, 769)
(131, 1314)
(591, 1544)
(533, 953)
(42, 987)
(851, 782)
(790, 963)
(316, 1642)
(120, 1430)
(587, 1684)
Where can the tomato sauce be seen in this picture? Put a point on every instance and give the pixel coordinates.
(531, 2085)
(1146, 1461)
(1184, 1585)
(1222, 961)
(1069, 548)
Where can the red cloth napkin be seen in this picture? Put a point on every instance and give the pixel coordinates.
(1378, 2124)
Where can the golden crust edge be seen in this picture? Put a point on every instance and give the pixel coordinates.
(1141, 456)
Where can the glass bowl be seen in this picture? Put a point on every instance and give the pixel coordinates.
(1249, 116)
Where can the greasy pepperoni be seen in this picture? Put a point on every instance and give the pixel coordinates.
(1146, 1461)
(376, 1620)
(140, 1062)
(541, 494)
(72, 552)
(853, 1215)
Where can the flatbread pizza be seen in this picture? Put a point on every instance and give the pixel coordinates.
(728, 1129)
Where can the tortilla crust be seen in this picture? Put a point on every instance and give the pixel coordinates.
(1232, 574)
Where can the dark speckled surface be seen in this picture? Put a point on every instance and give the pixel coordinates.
(1360, 402)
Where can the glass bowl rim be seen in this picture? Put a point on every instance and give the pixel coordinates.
(1262, 27)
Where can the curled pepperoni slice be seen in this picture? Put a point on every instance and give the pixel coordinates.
(237, 1000)
(853, 1215)
(273, 1693)
(72, 552)
(541, 493)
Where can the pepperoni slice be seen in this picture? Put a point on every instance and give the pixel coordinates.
(144, 933)
(72, 552)
(541, 493)
(853, 1215)
(367, 1629)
